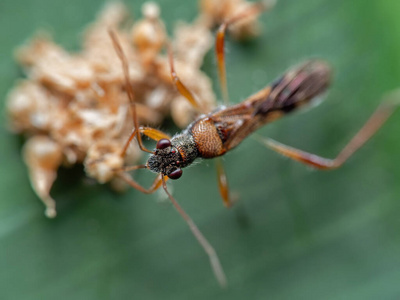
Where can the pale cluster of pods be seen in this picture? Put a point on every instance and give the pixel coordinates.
(73, 107)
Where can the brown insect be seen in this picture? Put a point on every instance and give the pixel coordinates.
(214, 133)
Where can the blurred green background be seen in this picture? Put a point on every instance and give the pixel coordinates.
(296, 233)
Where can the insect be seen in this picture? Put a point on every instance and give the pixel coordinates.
(215, 133)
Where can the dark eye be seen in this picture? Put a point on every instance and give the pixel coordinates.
(163, 143)
(175, 174)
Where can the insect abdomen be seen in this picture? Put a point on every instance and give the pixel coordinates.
(296, 87)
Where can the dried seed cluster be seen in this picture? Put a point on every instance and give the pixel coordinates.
(73, 107)
(214, 12)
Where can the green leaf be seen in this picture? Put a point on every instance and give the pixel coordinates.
(296, 233)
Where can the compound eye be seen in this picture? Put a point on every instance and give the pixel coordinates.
(163, 143)
(175, 174)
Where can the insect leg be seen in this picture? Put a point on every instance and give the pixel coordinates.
(220, 54)
(223, 183)
(183, 90)
(129, 180)
(152, 133)
(214, 260)
(378, 118)
(254, 9)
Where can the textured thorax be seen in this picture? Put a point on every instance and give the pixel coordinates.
(207, 139)
(186, 146)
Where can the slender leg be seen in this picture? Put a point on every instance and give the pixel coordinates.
(129, 180)
(152, 133)
(125, 67)
(183, 90)
(254, 9)
(223, 183)
(220, 54)
(130, 168)
(214, 260)
(375, 122)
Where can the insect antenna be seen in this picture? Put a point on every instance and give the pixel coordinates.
(214, 260)
(125, 67)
